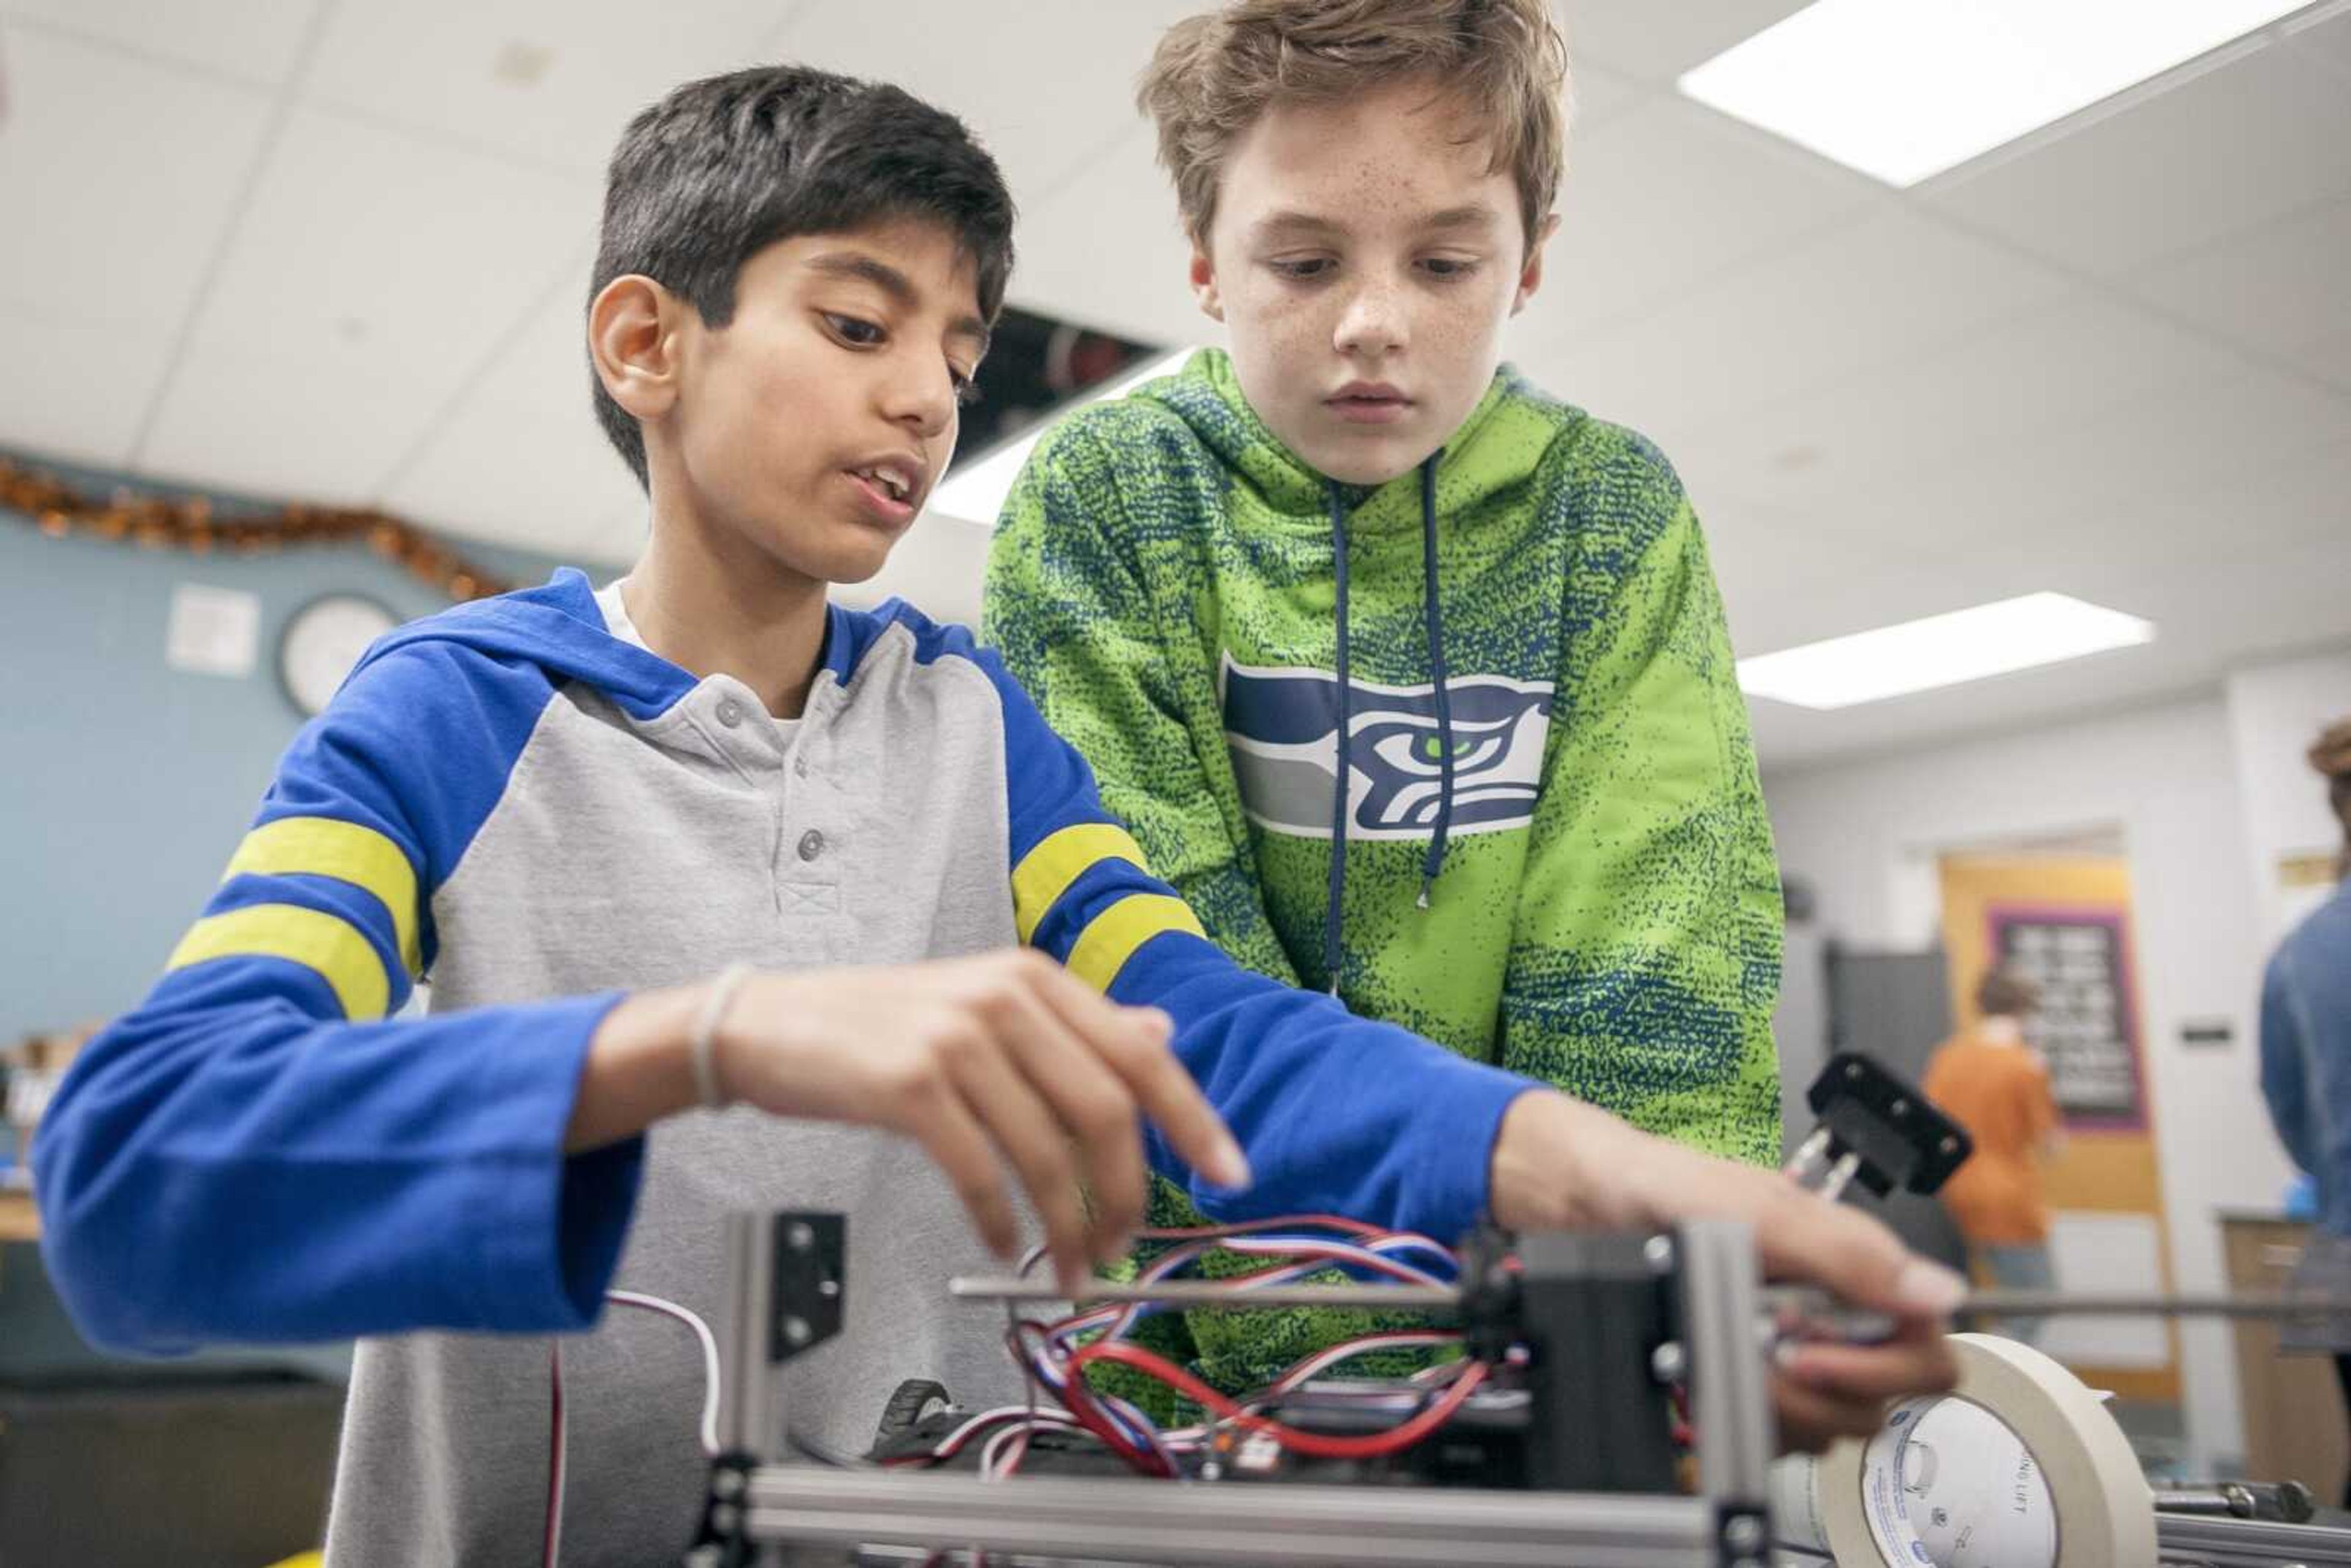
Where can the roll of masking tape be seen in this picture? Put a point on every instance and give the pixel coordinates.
(2019, 1467)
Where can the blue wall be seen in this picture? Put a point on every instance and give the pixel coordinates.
(124, 785)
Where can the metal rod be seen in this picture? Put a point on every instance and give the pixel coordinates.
(1303, 1526)
(1730, 1407)
(1804, 1301)
(2120, 1304)
(2246, 1543)
(750, 1418)
(1210, 1293)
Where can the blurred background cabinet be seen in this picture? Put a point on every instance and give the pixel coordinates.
(2294, 1427)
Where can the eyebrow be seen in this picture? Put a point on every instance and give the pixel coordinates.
(863, 268)
(1475, 215)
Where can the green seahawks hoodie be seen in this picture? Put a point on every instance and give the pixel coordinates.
(1466, 749)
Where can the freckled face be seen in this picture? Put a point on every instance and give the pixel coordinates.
(1365, 257)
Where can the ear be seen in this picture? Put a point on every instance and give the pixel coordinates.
(1531, 275)
(1204, 283)
(633, 341)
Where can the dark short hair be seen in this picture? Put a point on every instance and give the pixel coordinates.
(2004, 993)
(724, 167)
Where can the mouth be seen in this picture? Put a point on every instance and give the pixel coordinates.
(1369, 403)
(891, 487)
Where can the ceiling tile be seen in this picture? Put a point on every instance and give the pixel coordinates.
(2328, 41)
(76, 390)
(117, 178)
(551, 81)
(1667, 196)
(365, 243)
(1045, 95)
(1597, 95)
(1856, 458)
(1107, 250)
(2284, 289)
(2241, 144)
(2245, 500)
(316, 423)
(1885, 290)
(520, 460)
(2173, 442)
(1656, 43)
(252, 40)
(1783, 585)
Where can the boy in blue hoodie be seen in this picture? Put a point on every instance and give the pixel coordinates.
(717, 885)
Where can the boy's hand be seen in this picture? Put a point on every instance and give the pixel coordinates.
(1002, 1059)
(1560, 1163)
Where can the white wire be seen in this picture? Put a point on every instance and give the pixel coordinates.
(710, 1355)
(954, 1441)
(553, 1544)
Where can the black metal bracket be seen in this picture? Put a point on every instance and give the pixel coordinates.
(1895, 1134)
(811, 1255)
(722, 1541)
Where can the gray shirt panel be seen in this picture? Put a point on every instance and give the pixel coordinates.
(629, 854)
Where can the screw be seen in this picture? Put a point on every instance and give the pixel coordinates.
(1659, 1251)
(728, 1484)
(827, 1288)
(797, 1330)
(1899, 1109)
(1742, 1532)
(1950, 1145)
(1667, 1363)
(798, 1237)
(726, 1518)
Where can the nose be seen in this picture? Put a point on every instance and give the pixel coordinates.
(1370, 322)
(919, 397)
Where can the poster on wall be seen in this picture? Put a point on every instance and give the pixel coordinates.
(2088, 1028)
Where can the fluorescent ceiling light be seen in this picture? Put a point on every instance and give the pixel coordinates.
(1940, 650)
(976, 493)
(1902, 89)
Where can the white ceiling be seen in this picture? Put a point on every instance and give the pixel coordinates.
(337, 249)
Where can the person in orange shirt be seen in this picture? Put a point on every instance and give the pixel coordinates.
(1996, 1086)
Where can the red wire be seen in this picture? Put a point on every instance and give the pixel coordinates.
(1317, 1444)
(1078, 1400)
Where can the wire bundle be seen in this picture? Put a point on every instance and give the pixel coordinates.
(1055, 1354)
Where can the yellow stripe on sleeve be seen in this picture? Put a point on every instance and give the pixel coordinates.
(347, 852)
(1046, 871)
(1110, 938)
(327, 943)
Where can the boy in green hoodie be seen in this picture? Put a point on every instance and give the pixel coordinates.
(1412, 679)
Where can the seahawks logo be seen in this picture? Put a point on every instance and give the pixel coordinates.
(1281, 726)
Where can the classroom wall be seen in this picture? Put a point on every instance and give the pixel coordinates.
(2275, 711)
(124, 784)
(1866, 836)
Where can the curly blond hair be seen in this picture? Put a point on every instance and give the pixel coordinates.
(1213, 75)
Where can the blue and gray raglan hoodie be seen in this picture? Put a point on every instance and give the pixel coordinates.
(538, 816)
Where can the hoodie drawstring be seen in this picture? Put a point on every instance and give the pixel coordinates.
(1432, 618)
(1331, 956)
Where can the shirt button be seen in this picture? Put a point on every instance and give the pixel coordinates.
(811, 844)
(799, 766)
(730, 713)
